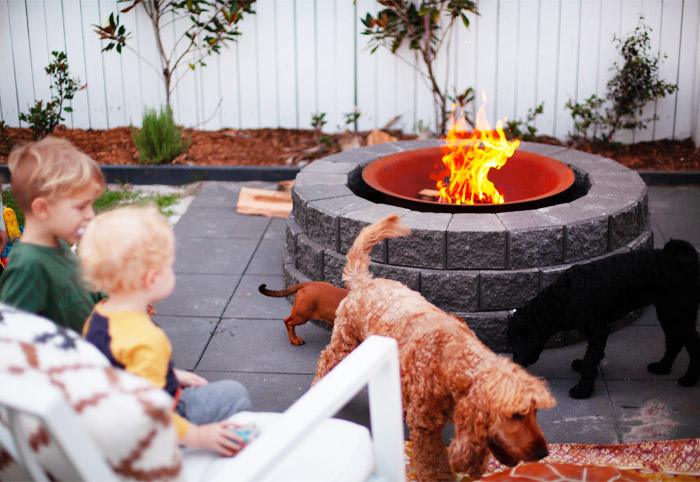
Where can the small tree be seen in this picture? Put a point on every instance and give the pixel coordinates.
(44, 117)
(634, 84)
(212, 23)
(426, 27)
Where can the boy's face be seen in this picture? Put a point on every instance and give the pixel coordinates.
(68, 217)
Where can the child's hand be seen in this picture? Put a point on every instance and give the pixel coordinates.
(215, 436)
(189, 379)
(151, 309)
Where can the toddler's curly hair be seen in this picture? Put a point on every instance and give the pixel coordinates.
(121, 245)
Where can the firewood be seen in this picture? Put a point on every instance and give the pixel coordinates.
(429, 194)
(275, 204)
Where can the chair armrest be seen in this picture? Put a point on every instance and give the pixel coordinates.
(375, 363)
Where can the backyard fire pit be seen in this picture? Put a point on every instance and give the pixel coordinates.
(527, 181)
(481, 264)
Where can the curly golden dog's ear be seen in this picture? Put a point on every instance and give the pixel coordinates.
(468, 452)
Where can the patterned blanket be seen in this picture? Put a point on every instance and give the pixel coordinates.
(677, 460)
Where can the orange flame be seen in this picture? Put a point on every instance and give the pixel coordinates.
(468, 158)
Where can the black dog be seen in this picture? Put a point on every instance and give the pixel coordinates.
(590, 297)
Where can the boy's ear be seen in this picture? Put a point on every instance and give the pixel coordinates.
(40, 208)
(149, 278)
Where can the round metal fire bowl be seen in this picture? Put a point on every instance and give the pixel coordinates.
(527, 181)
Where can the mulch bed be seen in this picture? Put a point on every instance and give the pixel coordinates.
(279, 147)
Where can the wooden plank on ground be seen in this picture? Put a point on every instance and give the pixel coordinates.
(275, 204)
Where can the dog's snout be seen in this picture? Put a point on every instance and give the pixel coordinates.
(541, 453)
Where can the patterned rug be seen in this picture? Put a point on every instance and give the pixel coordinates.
(677, 460)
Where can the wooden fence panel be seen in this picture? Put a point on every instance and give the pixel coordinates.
(299, 57)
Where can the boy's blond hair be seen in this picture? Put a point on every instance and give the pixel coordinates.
(120, 246)
(51, 168)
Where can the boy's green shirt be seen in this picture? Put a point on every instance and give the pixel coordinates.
(46, 281)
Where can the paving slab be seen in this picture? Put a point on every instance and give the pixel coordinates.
(655, 411)
(213, 255)
(267, 259)
(199, 295)
(220, 223)
(262, 345)
(589, 421)
(248, 302)
(190, 335)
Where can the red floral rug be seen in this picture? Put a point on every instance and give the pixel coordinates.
(677, 460)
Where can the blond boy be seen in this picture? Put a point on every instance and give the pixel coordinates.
(129, 253)
(55, 185)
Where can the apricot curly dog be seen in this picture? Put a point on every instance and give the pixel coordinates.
(447, 374)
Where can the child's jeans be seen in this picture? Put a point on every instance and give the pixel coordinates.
(213, 402)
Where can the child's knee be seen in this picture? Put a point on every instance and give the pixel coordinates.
(236, 394)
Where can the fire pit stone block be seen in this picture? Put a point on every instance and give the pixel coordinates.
(533, 239)
(499, 290)
(309, 257)
(476, 241)
(454, 291)
(352, 223)
(322, 218)
(425, 247)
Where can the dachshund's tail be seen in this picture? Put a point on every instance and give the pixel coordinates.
(282, 293)
(357, 267)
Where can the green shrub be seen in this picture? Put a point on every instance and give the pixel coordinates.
(159, 140)
(524, 130)
(43, 117)
(634, 84)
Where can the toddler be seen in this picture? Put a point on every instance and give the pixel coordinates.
(129, 254)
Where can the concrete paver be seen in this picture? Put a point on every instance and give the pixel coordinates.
(222, 327)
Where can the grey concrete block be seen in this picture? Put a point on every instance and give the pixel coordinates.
(311, 178)
(644, 241)
(624, 225)
(586, 239)
(476, 241)
(323, 166)
(550, 274)
(408, 276)
(425, 247)
(299, 209)
(293, 230)
(620, 191)
(322, 217)
(588, 163)
(618, 178)
(418, 144)
(333, 264)
(505, 290)
(489, 328)
(353, 156)
(383, 149)
(350, 225)
(529, 248)
(451, 290)
(541, 149)
(309, 258)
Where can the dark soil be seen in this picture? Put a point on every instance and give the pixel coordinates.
(275, 147)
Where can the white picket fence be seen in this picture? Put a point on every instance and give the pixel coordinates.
(299, 57)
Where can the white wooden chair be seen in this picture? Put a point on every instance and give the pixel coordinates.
(302, 443)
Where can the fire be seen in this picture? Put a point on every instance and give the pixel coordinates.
(468, 158)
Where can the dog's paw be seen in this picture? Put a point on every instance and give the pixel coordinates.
(689, 379)
(658, 368)
(297, 342)
(579, 367)
(581, 391)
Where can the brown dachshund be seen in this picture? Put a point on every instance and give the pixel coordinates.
(314, 300)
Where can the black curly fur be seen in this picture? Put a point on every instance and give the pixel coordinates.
(590, 297)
